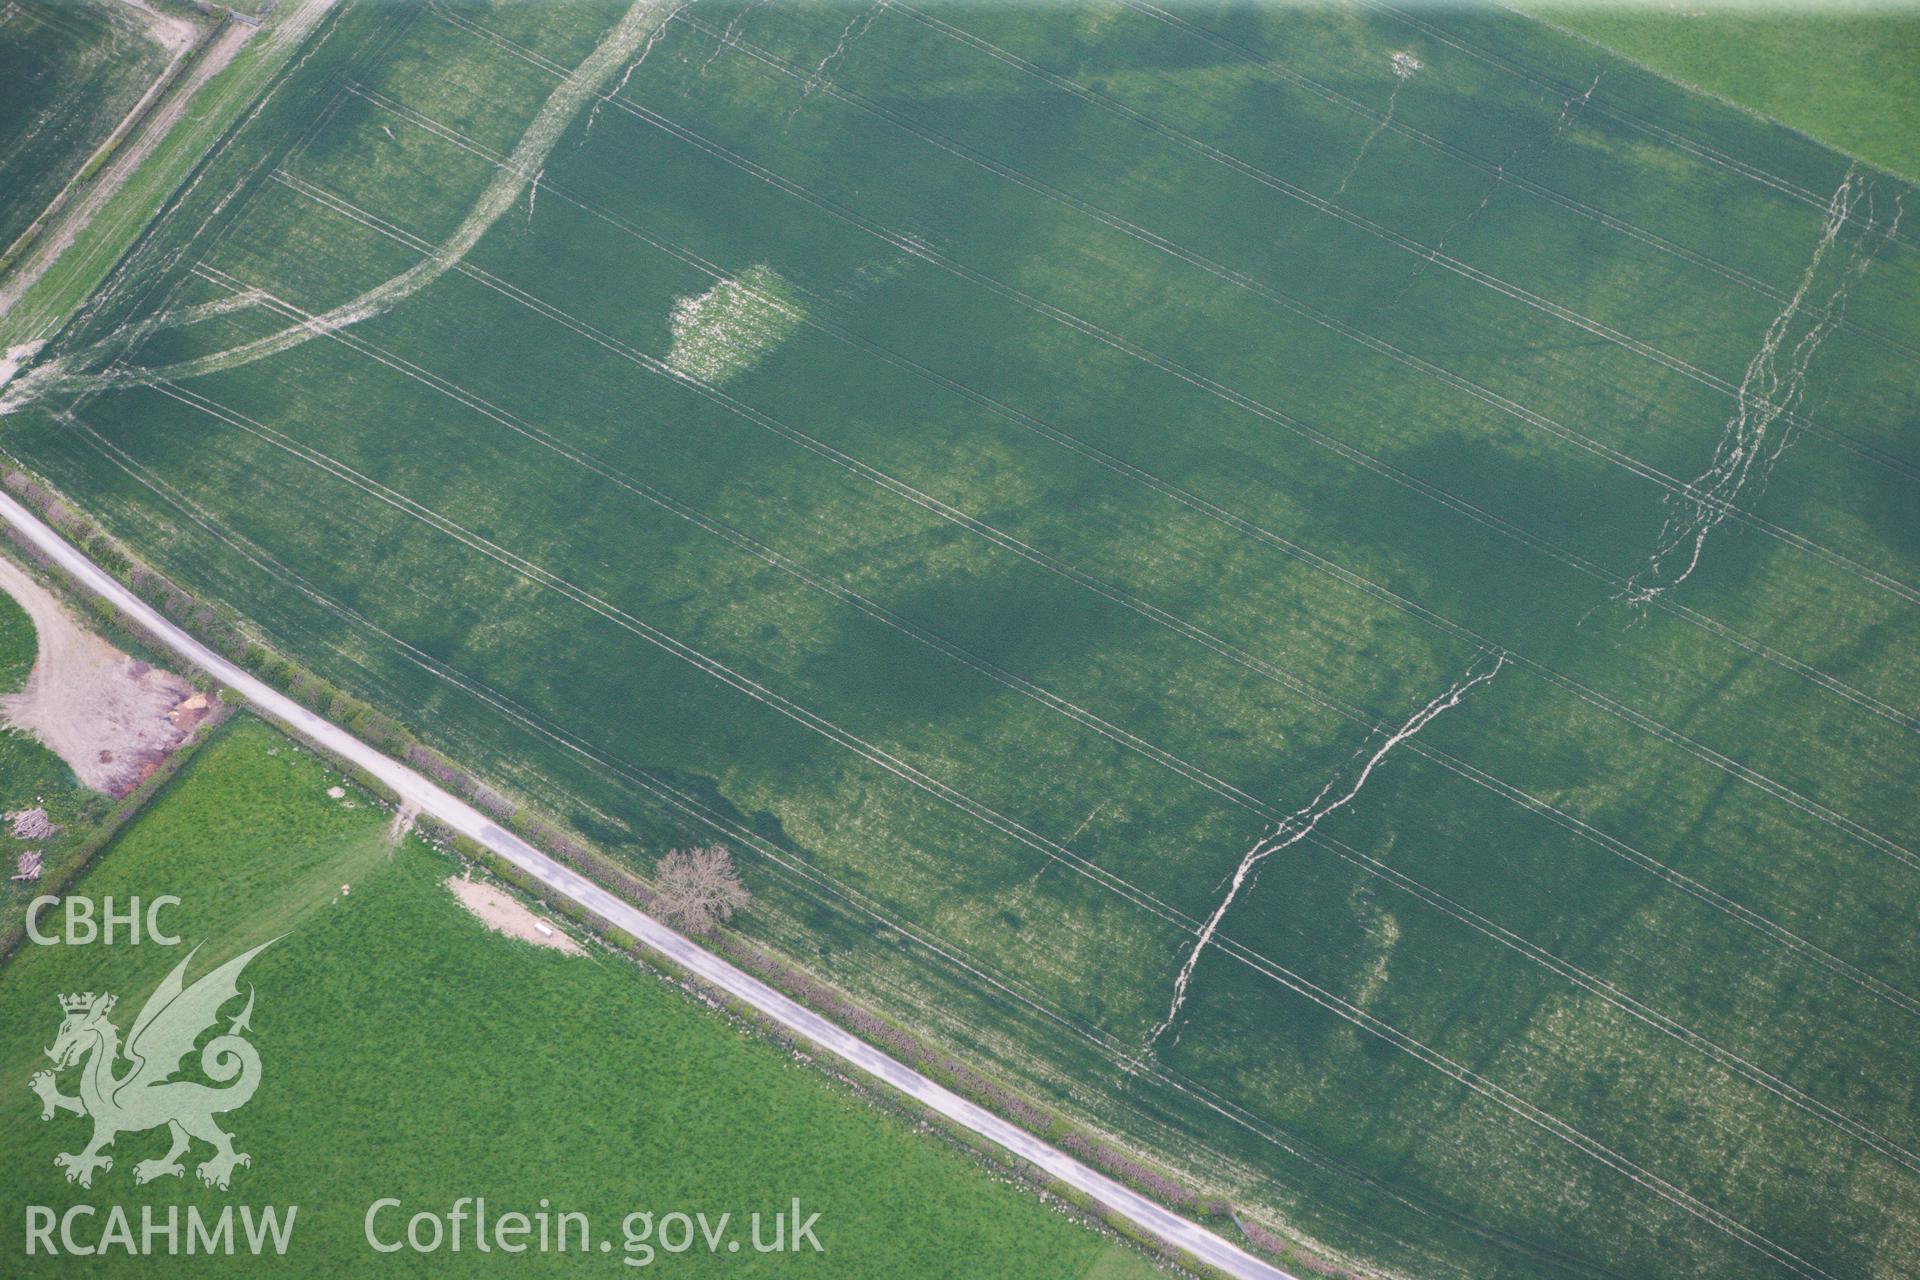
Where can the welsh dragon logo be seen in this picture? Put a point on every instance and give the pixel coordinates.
(144, 1095)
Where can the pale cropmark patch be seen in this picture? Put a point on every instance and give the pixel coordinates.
(16, 358)
(1383, 931)
(731, 327)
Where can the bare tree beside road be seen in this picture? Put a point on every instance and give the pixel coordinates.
(699, 888)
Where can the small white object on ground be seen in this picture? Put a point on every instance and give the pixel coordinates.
(337, 793)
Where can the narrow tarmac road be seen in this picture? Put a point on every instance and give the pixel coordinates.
(413, 788)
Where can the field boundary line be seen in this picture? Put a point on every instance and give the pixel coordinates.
(637, 29)
(1613, 222)
(1673, 138)
(94, 163)
(164, 261)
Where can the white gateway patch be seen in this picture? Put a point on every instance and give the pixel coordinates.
(731, 327)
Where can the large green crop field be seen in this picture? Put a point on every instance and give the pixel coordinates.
(1424, 507)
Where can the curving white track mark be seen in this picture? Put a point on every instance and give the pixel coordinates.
(627, 44)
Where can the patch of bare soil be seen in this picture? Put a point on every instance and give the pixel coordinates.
(503, 913)
(110, 717)
(16, 358)
(176, 35)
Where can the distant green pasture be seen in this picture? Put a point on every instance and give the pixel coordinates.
(1847, 74)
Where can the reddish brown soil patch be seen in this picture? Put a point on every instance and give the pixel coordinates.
(111, 717)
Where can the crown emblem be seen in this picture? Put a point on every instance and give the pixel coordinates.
(83, 1002)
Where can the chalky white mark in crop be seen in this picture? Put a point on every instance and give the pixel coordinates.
(1774, 386)
(732, 326)
(18, 357)
(1298, 825)
(1438, 253)
(653, 38)
(1405, 66)
(847, 36)
(726, 37)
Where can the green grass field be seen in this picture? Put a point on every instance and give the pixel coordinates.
(68, 73)
(995, 465)
(408, 1052)
(1849, 76)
